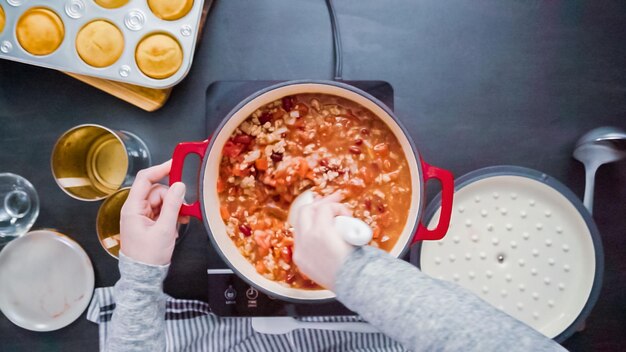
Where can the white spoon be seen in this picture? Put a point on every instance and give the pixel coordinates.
(283, 325)
(353, 230)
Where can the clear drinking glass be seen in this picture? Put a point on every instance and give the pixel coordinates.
(19, 206)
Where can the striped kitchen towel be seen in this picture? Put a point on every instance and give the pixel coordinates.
(190, 326)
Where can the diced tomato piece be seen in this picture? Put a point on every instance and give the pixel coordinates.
(261, 163)
(231, 149)
(224, 213)
(236, 170)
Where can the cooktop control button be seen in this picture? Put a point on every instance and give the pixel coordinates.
(252, 293)
(230, 294)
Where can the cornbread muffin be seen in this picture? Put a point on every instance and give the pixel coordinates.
(40, 31)
(111, 4)
(159, 56)
(2, 19)
(170, 10)
(100, 43)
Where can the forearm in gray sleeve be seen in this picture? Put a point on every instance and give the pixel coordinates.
(426, 314)
(138, 321)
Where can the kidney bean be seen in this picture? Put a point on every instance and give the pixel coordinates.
(324, 162)
(368, 204)
(381, 208)
(358, 141)
(276, 157)
(265, 117)
(288, 103)
(245, 229)
(355, 150)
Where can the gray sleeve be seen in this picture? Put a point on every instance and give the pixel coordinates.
(138, 321)
(426, 314)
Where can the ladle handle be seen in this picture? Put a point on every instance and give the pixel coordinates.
(590, 176)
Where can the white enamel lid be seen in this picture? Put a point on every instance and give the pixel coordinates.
(522, 242)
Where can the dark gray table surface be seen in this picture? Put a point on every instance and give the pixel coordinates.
(478, 83)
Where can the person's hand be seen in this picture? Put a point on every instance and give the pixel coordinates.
(319, 251)
(148, 219)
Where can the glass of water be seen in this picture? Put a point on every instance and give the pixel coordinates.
(19, 206)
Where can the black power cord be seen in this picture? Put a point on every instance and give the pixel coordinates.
(336, 40)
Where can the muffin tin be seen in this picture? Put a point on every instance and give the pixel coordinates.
(135, 20)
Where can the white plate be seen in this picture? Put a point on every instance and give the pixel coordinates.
(521, 245)
(46, 281)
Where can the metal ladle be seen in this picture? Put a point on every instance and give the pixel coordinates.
(597, 147)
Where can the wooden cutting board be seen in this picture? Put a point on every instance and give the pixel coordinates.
(149, 99)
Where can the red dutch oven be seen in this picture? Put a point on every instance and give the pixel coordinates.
(210, 152)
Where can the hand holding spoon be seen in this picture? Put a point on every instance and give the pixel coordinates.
(353, 230)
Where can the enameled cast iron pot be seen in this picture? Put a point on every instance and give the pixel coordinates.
(210, 152)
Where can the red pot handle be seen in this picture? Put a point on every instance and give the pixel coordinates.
(176, 173)
(447, 191)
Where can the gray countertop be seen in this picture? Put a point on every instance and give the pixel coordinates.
(477, 83)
